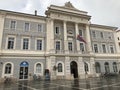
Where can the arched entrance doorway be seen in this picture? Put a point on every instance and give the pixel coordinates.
(23, 73)
(74, 69)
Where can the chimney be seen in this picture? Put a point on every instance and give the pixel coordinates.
(35, 12)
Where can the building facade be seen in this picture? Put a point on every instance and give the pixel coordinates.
(31, 44)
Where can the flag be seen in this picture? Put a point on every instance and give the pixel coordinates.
(80, 39)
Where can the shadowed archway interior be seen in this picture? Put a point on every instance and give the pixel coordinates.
(74, 69)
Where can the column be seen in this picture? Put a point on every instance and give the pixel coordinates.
(50, 36)
(89, 48)
(117, 48)
(81, 71)
(52, 64)
(65, 37)
(92, 66)
(77, 42)
(67, 68)
(1, 29)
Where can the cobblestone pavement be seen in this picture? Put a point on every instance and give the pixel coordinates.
(112, 83)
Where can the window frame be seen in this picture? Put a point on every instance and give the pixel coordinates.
(83, 47)
(95, 47)
(59, 45)
(42, 44)
(10, 36)
(40, 28)
(104, 49)
(71, 46)
(42, 67)
(63, 68)
(57, 31)
(13, 25)
(23, 43)
(26, 29)
(111, 50)
(3, 71)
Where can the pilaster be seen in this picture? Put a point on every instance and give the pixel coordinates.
(67, 68)
(50, 36)
(77, 42)
(88, 40)
(2, 16)
(52, 64)
(92, 66)
(81, 71)
(65, 37)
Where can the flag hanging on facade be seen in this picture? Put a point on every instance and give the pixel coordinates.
(80, 39)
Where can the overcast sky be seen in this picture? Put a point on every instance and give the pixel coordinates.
(105, 12)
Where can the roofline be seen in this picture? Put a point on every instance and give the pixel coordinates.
(22, 14)
(68, 8)
(103, 26)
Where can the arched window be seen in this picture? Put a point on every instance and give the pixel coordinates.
(107, 69)
(115, 67)
(86, 67)
(60, 67)
(8, 68)
(38, 68)
(97, 67)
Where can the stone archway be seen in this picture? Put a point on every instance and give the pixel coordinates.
(74, 69)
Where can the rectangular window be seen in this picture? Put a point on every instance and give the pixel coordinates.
(39, 44)
(82, 47)
(13, 25)
(25, 43)
(80, 33)
(57, 45)
(57, 30)
(111, 49)
(104, 48)
(101, 34)
(10, 43)
(27, 26)
(70, 46)
(93, 34)
(39, 28)
(95, 48)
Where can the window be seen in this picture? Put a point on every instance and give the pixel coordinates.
(39, 28)
(82, 47)
(80, 33)
(97, 67)
(107, 69)
(13, 25)
(25, 43)
(104, 48)
(95, 48)
(10, 43)
(115, 67)
(101, 34)
(57, 45)
(38, 68)
(118, 38)
(70, 46)
(39, 44)
(111, 49)
(59, 67)
(57, 30)
(93, 34)
(86, 67)
(8, 68)
(27, 26)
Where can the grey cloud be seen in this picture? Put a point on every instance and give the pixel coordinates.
(102, 11)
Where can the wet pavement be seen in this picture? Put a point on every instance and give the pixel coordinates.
(112, 83)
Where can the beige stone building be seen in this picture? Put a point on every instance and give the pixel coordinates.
(31, 44)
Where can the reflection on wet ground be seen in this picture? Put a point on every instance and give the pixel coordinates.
(112, 83)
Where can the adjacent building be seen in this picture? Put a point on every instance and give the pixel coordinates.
(63, 42)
